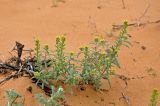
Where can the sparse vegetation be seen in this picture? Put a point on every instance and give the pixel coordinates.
(12, 97)
(94, 62)
(54, 98)
(55, 2)
(154, 98)
(97, 60)
(151, 72)
(38, 56)
(79, 53)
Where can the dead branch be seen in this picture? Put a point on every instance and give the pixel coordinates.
(123, 78)
(26, 66)
(20, 69)
(9, 77)
(134, 24)
(19, 52)
(6, 79)
(25, 50)
(126, 98)
(8, 66)
(12, 76)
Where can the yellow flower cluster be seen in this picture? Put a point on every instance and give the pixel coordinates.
(98, 39)
(84, 48)
(60, 38)
(36, 74)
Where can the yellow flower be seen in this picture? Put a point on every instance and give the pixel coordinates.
(83, 48)
(46, 47)
(113, 70)
(36, 74)
(103, 53)
(86, 48)
(96, 39)
(102, 41)
(71, 53)
(62, 37)
(57, 39)
(125, 22)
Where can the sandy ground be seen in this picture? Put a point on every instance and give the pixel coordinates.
(80, 21)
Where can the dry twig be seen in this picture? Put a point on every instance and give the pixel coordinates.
(123, 4)
(134, 24)
(126, 98)
(124, 78)
(12, 76)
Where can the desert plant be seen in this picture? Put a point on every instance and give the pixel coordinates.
(96, 60)
(41, 75)
(48, 57)
(154, 98)
(54, 98)
(99, 58)
(38, 55)
(42, 78)
(64, 68)
(59, 64)
(12, 96)
(93, 63)
(71, 74)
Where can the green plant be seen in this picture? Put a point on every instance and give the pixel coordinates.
(64, 68)
(41, 64)
(100, 58)
(12, 96)
(54, 98)
(59, 64)
(93, 63)
(154, 98)
(48, 60)
(71, 74)
(42, 77)
(38, 55)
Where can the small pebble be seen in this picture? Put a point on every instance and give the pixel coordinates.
(87, 96)
(99, 7)
(143, 47)
(29, 89)
(102, 99)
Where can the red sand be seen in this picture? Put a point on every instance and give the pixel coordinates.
(81, 20)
